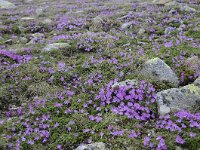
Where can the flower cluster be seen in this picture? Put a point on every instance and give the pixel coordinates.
(131, 100)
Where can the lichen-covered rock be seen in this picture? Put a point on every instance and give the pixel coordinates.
(93, 146)
(159, 70)
(180, 98)
(6, 4)
(55, 46)
(197, 82)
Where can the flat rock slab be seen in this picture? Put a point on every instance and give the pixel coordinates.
(159, 70)
(6, 4)
(180, 98)
(55, 46)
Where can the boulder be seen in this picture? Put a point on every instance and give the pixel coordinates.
(55, 46)
(160, 71)
(6, 4)
(93, 146)
(176, 99)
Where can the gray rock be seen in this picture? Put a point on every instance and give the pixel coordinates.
(27, 1)
(9, 42)
(197, 82)
(187, 8)
(39, 11)
(126, 25)
(93, 146)
(141, 31)
(38, 35)
(172, 11)
(36, 38)
(163, 110)
(161, 2)
(171, 4)
(97, 20)
(159, 70)
(27, 19)
(23, 40)
(97, 23)
(180, 98)
(128, 82)
(6, 4)
(55, 46)
(47, 21)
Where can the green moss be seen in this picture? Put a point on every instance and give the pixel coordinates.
(193, 34)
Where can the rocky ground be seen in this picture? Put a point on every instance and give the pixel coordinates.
(100, 74)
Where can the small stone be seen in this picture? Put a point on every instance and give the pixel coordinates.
(23, 40)
(97, 20)
(163, 110)
(187, 8)
(141, 31)
(39, 12)
(38, 35)
(126, 25)
(9, 42)
(27, 1)
(47, 21)
(94, 146)
(6, 4)
(128, 82)
(27, 19)
(161, 2)
(55, 46)
(172, 11)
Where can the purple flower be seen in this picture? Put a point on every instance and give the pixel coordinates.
(132, 134)
(169, 44)
(192, 134)
(59, 146)
(179, 140)
(31, 142)
(146, 140)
